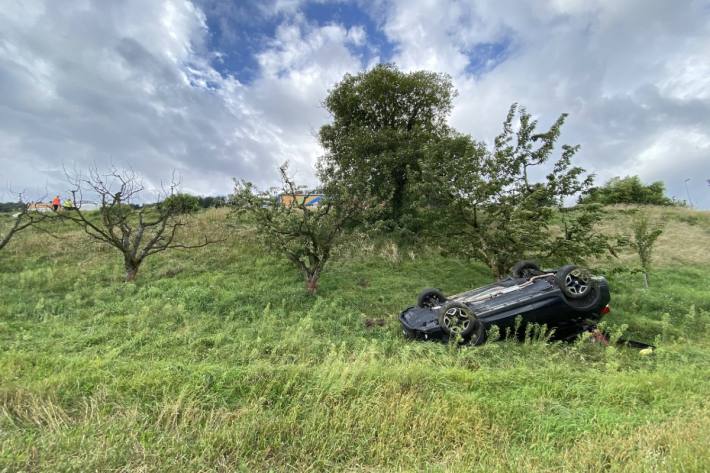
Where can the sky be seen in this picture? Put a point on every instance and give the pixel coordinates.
(223, 89)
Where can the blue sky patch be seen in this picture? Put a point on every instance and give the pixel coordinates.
(484, 57)
(350, 15)
(239, 31)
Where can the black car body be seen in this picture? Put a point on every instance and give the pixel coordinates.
(568, 300)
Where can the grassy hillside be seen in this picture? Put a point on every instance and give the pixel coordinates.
(216, 360)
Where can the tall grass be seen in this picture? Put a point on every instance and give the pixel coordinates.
(216, 360)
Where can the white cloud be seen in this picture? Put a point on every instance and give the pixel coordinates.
(674, 155)
(630, 74)
(300, 65)
(357, 35)
(132, 83)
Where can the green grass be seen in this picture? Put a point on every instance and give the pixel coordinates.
(217, 360)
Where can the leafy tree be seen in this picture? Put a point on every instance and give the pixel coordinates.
(629, 190)
(181, 204)
(305, 234)
(497, 213)
(135, 233)
(383, 121)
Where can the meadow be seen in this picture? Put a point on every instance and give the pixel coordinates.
(217, 360)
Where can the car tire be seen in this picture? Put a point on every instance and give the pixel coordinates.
(455, 318)
(586, 301)
(590, 303)
(575, 282)
(525, 269)
(430, 297)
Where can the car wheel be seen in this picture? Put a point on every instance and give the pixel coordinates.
(525, 269)
(575, 282)
(590, 303)
(586, 299)
(455, 318)
(430, 297)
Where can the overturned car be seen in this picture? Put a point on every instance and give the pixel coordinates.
(568, 300)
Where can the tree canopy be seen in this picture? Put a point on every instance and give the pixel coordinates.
(383, 121)
(289, 225)
(629, 190)
(495, 212)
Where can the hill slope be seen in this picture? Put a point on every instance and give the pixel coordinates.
(216, 360)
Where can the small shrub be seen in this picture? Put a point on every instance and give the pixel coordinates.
(180, 204)
(643, 239)
(306, 234)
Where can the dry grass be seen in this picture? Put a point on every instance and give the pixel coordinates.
(685, 238)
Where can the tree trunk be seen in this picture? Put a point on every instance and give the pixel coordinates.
(645, 279)
(131, 270)
(312, 283)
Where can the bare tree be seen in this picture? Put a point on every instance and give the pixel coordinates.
(293, 227)
(135, 232)
(24, 218)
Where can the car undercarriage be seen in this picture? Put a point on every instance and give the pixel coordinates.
(567, 301)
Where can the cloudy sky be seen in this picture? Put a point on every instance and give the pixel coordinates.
(217, 89)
